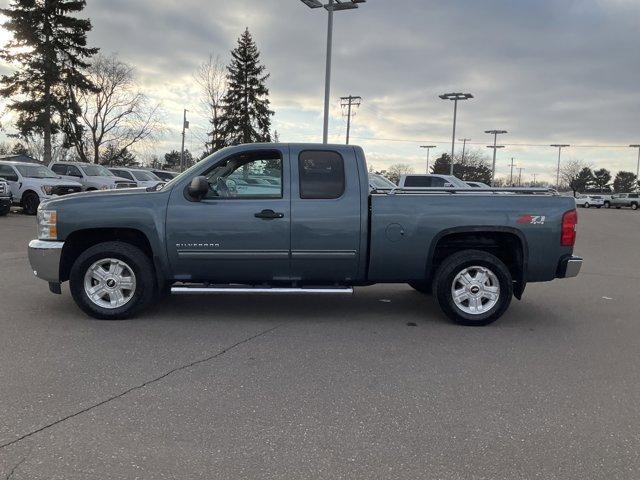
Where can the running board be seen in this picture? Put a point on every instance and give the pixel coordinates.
(263, 290)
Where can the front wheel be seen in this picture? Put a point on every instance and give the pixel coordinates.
(112, 280)
(607, 205)
(634, 206)
(473, 287)
(586, 205)
(30, 202)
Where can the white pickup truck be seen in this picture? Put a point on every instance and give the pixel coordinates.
(32, 183)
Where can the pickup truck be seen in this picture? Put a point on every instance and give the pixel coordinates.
(317, 229)
(631, 200)
(5, 198)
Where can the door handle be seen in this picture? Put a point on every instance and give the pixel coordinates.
(268, 214)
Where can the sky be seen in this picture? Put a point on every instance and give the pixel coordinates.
(547, 71)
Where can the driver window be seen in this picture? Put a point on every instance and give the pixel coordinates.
(248, 175)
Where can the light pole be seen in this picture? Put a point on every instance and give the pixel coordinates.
(520, 176)
(638, 165)
(428, 147)
(559, 146)
(185, 125)
(511, 174)
(534, 179)
(464, 146)
(455, 96)
(495, 134)
(350, 101)
(333, 5)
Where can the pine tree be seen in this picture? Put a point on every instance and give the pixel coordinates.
(49, 49)
(247, 116)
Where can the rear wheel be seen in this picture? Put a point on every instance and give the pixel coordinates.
(634, 206)
(607, 205)
(30, 202)
(112, 280)
(473, 287)
(586, 205)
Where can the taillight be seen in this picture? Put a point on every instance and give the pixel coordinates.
(569, 222)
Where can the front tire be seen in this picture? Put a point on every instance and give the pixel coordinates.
(473, 287)
(30, 202)
(607, 205)
(634, 206)
(112, 281)
(586, 205)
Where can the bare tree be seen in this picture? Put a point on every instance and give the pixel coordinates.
(211, 78)
(117, 116)
(394, 172)
(569, 171)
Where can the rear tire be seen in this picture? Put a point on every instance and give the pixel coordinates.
(586, 205)
(483, 283)
(607, 205)
(127, 266)
(634, 206)
(30, 202)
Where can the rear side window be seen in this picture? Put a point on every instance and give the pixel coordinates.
(321, 174)
(59, 169)
(415, 181)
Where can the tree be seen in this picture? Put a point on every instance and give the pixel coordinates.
(114, 156)
(474, 167)
(601, 178)
(624, 182)
(49, 47)
(172, 159)
(570, 171)
(583, 180)
(394, 172)
(247, 117)
(212, 80)
(114, 117)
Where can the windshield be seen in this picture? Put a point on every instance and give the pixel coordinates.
(377, 181)
(96, 171)
(35, 171)
(144, 176)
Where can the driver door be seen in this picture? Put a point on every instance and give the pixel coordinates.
(240, 232)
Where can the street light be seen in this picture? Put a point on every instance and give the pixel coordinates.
(638, 166)
(455, 96)
(333, 5)
(495, 134)
(428, 147)
(559, 146)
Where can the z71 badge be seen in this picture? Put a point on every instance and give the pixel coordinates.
(532, 219)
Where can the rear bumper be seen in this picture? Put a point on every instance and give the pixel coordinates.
(44, 257)
(569, 267)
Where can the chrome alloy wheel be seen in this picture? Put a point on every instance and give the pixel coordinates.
(475, 290)
(110, 283)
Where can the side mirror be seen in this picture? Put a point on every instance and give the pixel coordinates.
(198, 189)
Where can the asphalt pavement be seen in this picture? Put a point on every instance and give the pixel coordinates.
(327, 387)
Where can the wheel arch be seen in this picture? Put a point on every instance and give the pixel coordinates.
(80, 240)
(491, 239)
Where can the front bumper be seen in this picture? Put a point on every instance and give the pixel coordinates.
(44, 257)
(569, 267)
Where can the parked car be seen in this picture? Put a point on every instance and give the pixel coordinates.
(430, 180)
(631, 200)
(143, 178)
(588, 201)
(91, 176)
(379, 182)
(6, 198)
(321, 231)
(32, 183)
(477, 184)
(164, 175)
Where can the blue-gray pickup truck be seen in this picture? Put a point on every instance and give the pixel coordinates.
(301, 218)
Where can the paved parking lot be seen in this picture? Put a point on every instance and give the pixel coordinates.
(308, 387)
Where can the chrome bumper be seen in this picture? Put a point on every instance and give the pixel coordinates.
(44, 257)
(569, 267)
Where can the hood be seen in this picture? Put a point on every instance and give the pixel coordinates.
(86, 198)
(51, 181)
(105, 179)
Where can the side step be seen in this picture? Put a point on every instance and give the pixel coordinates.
(261, 290)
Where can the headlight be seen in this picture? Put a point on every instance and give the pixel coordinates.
(47, 189)
(47, 224)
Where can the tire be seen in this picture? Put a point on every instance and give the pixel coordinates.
(422, 287)
(136, 270)
(617, 207)
(449, 276)
(607, 205)
(599, 206)
(634, 206)
(30, 202)
(586, 205)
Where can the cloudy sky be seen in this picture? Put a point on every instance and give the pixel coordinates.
(548, 71)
